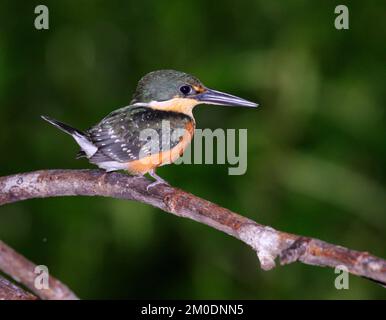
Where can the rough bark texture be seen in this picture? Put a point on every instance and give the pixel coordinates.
(9, 291)
(23, 271)
(266, 241)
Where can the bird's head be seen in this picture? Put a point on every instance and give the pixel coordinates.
(172, 90)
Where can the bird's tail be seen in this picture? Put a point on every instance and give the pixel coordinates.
(64, 127)
(88, 148)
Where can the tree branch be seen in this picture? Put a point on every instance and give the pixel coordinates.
(266, 241)
(23, 271)
(9, 291)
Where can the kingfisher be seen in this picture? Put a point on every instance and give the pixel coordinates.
(162, 99)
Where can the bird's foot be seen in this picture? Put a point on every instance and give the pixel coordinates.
(155, 183)
(158, 180)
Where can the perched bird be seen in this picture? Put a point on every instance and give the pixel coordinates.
(162, 97)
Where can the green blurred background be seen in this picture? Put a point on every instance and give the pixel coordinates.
(316, 147)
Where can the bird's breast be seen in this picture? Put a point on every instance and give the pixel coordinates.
(166, 155)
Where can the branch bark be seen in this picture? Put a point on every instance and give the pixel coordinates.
(23, 271)
(266, 241)
(9, 291)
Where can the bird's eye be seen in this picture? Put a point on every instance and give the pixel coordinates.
(186, 89)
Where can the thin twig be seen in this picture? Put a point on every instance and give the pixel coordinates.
(9, 291)
(266, 241)
(23, 271)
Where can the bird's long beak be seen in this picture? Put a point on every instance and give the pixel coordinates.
(210, 96)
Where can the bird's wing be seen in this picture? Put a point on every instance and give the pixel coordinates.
(133, 133)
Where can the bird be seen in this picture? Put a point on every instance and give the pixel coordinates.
(162, 99)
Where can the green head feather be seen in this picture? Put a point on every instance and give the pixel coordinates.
(164, 85)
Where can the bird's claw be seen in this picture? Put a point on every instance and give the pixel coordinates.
(158, 180)
(156, 183)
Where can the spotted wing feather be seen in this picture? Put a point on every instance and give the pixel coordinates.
(121, 135)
